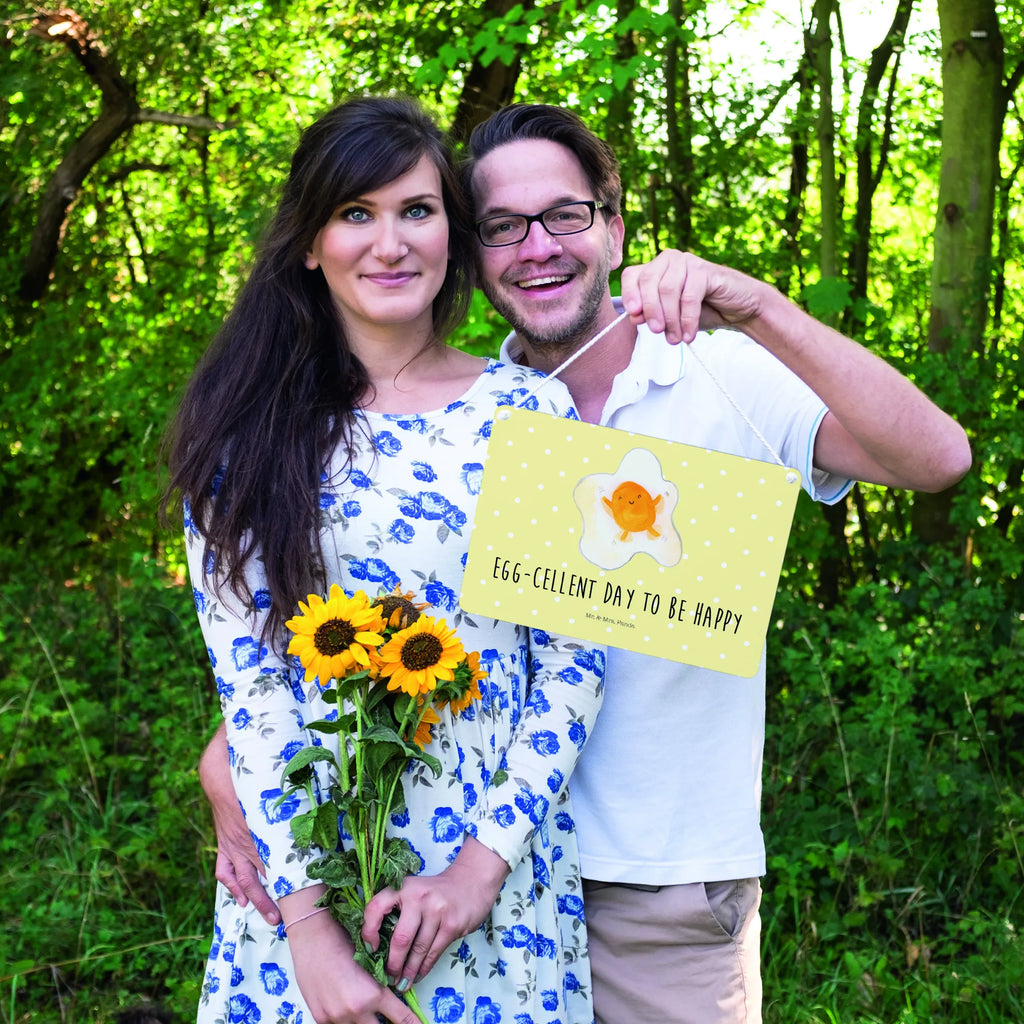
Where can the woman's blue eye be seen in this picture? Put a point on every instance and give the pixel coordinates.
(354, 215)
(419, 211)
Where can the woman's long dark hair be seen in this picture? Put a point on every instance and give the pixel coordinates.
(275, 394)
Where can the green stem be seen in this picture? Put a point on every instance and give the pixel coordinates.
(414, 1004)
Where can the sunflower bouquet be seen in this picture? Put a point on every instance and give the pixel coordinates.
(390, 669)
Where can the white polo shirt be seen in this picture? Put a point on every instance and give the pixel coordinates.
(668, 788)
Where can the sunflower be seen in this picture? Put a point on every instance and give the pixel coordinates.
(472, 692)
(399, 609)
(423, 731)
(417, 657)
(331, 637)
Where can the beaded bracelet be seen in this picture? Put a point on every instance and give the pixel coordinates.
(305, 917)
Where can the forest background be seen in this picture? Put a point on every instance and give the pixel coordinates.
(865, 157)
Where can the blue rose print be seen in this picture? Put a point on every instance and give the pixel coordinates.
(446, 825)
(424, 472)
(289, 750)
(571, 905)
(549, 999)
(441, 596)
(242, 1010)
(454, 517)
(555, 780)
(540, 638)
(448, 1005)
(538, 702)
(261, 600)
(578, 734)
(401, 531)
(282, 887)
(327, 500)
(590, 661)
(237, 977)
(572, 983)
(374, 570)
(534, 806)
(357, 478)
(573, 676)
(247, 652)
(545, 742)
(486, 1011)
(504, 815)
(414, 424)
(546, 948)
(351, 509)
(387, 444)
(564, 822)
(274, 979)
(227, 952)
(199, 599)
(472, 476)
(518, 937)
(484, 433)
(433, 505)
(241, 718)
(541, 874)
(273, 811)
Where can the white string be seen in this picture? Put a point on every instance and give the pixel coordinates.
(692, 351)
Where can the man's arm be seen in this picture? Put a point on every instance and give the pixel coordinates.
(238, 865)
(880, 427)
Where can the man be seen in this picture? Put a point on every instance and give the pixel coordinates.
(667, 791)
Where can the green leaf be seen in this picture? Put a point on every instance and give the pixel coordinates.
(302, 826)
(298, 769)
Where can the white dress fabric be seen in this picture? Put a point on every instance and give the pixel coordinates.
(401, 515)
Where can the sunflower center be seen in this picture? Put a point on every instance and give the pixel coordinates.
(421, 651)
(334, 636)
(391, 603)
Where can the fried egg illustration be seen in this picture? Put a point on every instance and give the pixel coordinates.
(628, 512)
(634, 510)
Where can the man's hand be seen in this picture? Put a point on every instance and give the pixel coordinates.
(679, 293)
(238, 865)
(435, 910)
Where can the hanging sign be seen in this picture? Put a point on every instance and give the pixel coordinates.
(630, 541)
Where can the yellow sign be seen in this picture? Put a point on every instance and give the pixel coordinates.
(630, 541)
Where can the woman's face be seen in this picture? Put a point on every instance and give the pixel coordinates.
(384, 255)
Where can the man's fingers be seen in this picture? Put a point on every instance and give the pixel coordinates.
(373, 916)
(224, 872)
(413, 966)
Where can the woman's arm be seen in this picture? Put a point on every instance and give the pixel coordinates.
(564, 696)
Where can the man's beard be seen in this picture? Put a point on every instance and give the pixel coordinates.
(566, 337)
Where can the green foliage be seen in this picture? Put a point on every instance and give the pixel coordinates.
(893, 805)
(104, 838)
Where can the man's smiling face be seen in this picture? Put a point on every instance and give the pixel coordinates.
(552, 289)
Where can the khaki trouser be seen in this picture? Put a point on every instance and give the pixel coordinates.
(675, 954)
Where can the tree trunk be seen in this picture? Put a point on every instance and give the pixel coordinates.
(486, 89)
(973, 107)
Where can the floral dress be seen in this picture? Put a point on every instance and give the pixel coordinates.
(400, 515)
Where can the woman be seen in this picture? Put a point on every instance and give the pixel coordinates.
(330, 436)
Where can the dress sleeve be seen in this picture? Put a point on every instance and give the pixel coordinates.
(563, 698)
(264, 707)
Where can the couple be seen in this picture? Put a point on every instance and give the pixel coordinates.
(338, 414)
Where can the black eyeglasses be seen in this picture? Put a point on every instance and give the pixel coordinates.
(563, 219)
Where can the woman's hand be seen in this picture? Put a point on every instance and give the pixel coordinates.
(435, 910)
(336, 989)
